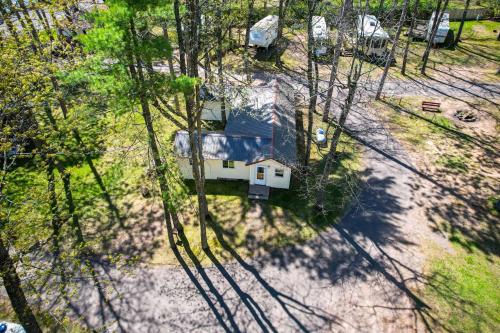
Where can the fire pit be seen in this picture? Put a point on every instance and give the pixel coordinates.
(466, 115)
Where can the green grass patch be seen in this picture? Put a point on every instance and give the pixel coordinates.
(493, 204)
(463, 290)
(455, 163)
(413, 125)
(46, 320)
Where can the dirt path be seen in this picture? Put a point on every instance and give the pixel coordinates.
(358, 276)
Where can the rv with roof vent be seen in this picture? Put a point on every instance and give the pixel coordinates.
(442, 30)
(264, 32)
(373, 39)
(320, 34)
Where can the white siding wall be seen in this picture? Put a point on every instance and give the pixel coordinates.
(271, 179)
(214, 170)
(211, 111)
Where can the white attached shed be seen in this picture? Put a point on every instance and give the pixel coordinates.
(264, 32)
(373, 38)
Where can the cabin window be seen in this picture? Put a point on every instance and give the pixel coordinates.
(279, 173)
(190, 161)
(226, 164)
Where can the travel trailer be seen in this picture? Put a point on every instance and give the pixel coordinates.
(320, 34)
(442, 30)
(373, 39)
(264, 32)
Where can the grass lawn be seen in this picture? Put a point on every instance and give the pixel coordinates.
(463, 292)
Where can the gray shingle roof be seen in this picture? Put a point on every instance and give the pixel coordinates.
(261, 128)
(218, 146)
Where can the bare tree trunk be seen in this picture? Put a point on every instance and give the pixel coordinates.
(206, 47)
(194, 122)
(138, 76)
(12, 284)
(410, 38)
(460, 28)
(247, 39)
(171, 67)
(336, 56)
(180, 37)
(331, 157)
(311, 4)
(388, 61)
(220, 67)
(435, 25)
(283, 4)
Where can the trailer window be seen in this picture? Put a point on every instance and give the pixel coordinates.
(228, 164)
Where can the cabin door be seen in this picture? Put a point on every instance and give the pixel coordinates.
(260, 175)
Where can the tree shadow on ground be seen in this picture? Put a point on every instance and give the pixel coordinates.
(447, 94)
(451, 208)
(339, 255)
(481, 52)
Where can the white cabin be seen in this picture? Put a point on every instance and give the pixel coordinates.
(442, 30)
(264, 32)
(374, 39)
(320, 34)
(258, 143)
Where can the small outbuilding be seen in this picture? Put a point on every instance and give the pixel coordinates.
(211, 103)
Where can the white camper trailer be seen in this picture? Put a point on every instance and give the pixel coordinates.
(264, 32)
(442, 30)
(320, 34)
(372, 37)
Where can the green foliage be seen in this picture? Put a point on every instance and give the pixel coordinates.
(184, 84)
(116, 51)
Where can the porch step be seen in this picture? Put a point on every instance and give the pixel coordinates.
(258, 192)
